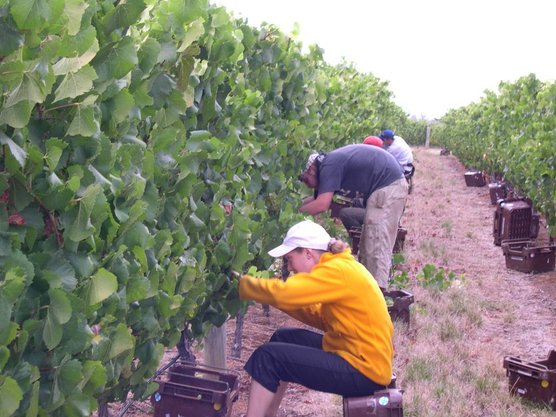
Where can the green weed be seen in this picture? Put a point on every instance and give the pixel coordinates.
(435, 278)
(400, 279)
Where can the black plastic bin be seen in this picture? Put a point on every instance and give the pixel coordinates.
(513, 219)
(528, 256)
(401, 300)
(474, 179)
(497, 191)
(534, 381)
(195, 391)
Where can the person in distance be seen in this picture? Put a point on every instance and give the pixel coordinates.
(374, 140)
(376, 176)
(398, 147)
(332, 292)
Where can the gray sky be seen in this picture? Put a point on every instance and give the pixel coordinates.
(435, 54)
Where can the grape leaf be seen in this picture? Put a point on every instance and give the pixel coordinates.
(101, 286)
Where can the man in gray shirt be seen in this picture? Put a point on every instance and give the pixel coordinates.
(373, 174)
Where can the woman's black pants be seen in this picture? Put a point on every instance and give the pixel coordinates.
(296, 355)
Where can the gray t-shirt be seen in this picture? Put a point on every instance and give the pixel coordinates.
(357, 171)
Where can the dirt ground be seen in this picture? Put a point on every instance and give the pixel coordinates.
(449, 225)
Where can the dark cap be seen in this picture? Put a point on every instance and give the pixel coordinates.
(387, 134)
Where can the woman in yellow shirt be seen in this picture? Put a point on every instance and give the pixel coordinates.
(334, 293)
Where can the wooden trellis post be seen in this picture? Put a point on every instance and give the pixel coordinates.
(215, 347)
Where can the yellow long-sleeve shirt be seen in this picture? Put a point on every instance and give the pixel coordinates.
(341, 298)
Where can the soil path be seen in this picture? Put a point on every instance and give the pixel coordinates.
(449, 225)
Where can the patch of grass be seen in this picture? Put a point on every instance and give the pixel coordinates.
(420, 309)
(490, 305)
(462, 306)
(417, 407)
(440, 389)
(449, 330)
(485, 383)
(475, 318)
(429, 248)
(458, 305)
(433, 251)
(419, 369)
(447, 227)
(444, 369)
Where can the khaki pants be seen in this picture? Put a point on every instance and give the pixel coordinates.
(382, 216)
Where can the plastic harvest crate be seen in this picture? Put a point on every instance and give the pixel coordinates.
(528, 256)
(195, 391)
(497, 191)
(383, 403)
(474, 179)
(512, 220)
(534, 381)
(399, 310)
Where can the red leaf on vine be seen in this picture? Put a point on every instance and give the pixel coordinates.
(5, 197)
(16, 219)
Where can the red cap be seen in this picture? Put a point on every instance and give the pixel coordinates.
(373, 140)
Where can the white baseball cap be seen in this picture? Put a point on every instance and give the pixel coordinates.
(311, 160)
(305, 234)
